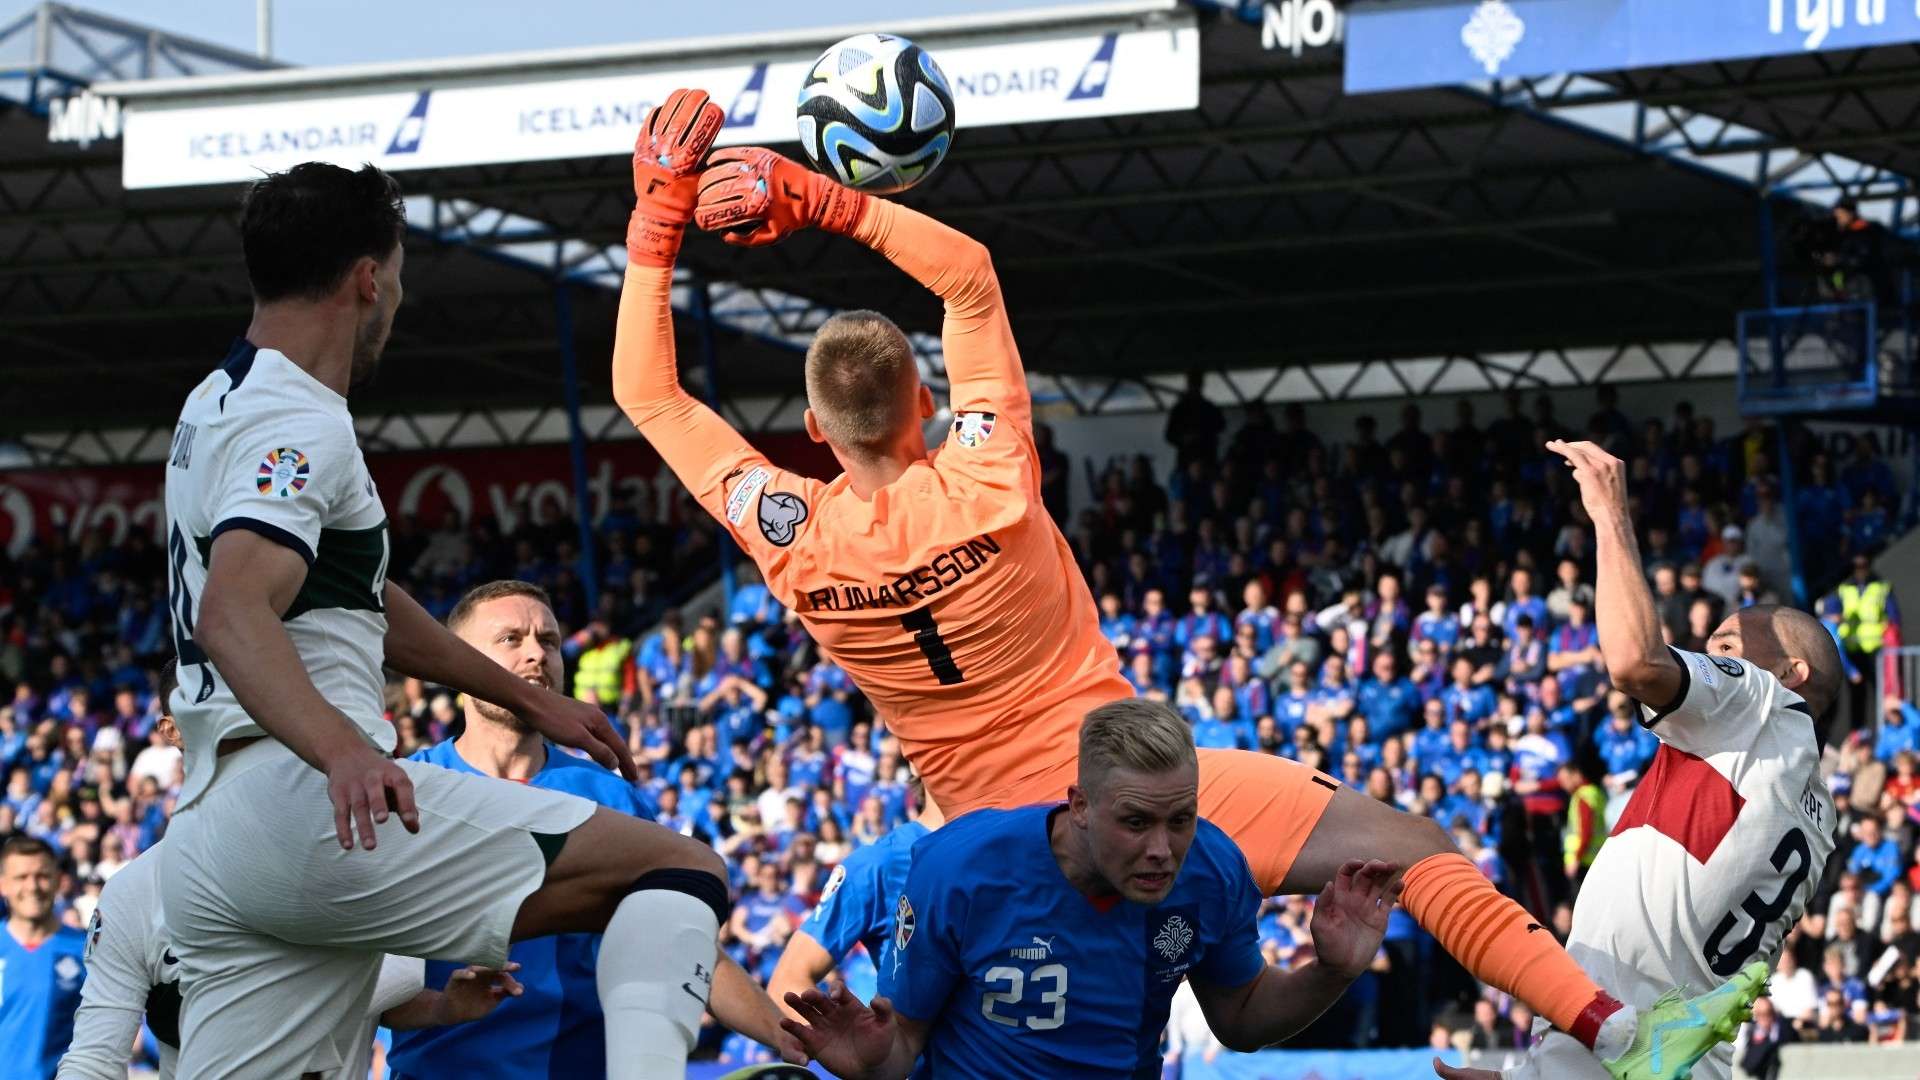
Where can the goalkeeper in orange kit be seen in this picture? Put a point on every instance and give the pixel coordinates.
(938, 581)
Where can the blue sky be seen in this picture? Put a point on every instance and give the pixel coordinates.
(358, 31)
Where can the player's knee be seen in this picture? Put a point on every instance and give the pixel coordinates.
(706, 887)
(1423, 836)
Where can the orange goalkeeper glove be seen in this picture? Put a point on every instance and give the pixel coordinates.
(674, 138)
(753, 197)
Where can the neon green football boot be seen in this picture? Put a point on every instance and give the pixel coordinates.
(1676, 1032)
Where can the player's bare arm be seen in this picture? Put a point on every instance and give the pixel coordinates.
(1637, 658)
(740, 1005)
(753, 197)
(1349, 922)
(470, 994)
(855, 1041)
(418, 645)
(803, 963)
(251, 582)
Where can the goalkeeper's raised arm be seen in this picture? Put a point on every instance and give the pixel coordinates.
(753, 196)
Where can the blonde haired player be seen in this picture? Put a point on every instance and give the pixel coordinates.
(1727, 834)
(941, 585)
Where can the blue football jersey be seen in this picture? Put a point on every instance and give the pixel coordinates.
(856, 907)
(1019, 974)
(39, 993)
(555, 1028)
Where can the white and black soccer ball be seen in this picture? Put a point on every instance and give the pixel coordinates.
(876, 113)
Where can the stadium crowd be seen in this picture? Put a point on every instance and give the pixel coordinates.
(1409, 613)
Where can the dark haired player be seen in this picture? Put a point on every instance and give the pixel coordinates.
(283, 621)
(1727, 834)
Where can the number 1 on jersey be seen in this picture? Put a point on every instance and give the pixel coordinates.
(926, 634)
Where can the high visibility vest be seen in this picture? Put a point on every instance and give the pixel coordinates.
(1582, 844)
(1863, 619)
(599, 675)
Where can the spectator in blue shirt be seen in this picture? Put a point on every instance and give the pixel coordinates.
(1899, 728)
(1626, 748)
(1438, 623)
(1201, 621)
(1388, 700)
(1430, 742)
(1521, 601)
(1463, 700)
(1459, 756)
(1524, 662)
(1876, 858)
(1291, 705)
(1262, 616)
(43, 963)
(1116, 625)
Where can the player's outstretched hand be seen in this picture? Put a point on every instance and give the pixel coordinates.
(752, 197)
(847, 1037)
(1454, 1072)
(1350, 917)
(582, 726)
(1601, 476)
(365, 785)
(473, 992)
(674, 139)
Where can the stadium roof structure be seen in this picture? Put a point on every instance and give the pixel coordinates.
(1296, 242)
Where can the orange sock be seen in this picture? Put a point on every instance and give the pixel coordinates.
(1502, 946)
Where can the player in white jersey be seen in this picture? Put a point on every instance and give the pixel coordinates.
(132, 973)
(1724, 840)
(283, 620)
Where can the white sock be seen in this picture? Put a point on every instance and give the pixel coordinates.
(1616, 1033)
(655, 974)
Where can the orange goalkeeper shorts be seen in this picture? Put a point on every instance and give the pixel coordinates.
(1268, 804)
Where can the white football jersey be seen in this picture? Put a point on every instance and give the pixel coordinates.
(130, 973)
(264, 446)
(1716, 856)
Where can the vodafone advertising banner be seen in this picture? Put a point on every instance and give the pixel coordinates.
(512, 488)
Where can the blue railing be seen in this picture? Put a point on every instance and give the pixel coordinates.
(1821, 357)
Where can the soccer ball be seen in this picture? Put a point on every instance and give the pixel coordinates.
(876, 113)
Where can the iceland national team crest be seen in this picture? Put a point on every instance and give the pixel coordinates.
(1174, 938)
(283, 473)
(69, 972)
(972, 429)
(1170, 940)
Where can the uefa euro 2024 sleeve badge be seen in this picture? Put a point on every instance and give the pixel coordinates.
(283, 473)
(972, 429)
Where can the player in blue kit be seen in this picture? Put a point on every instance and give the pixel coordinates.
(1048, 941)
(855, 908)
(555, 1027)
(41, 963)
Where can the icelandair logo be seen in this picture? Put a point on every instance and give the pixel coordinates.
(1090, 85)
(407, 139)
(1093, 80)
(746, 107)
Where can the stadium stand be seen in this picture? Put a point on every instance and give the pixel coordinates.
(1315, 611)
(1382, 573)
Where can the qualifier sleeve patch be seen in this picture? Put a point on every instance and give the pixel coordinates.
(743, 493)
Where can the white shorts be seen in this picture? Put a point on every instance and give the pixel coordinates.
(280, 932)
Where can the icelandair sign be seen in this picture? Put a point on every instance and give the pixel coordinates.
(1085, 75)
(1401, 44)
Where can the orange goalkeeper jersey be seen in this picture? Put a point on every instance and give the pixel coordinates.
(949, 597)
